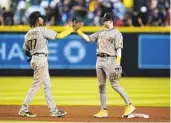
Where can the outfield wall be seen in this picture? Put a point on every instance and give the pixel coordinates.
(146, 52)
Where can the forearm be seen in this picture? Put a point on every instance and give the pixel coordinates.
(118, 56)
(65, 33)
(83, 35)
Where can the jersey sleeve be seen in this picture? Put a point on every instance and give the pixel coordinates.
(94, 37)
(25, 45)
(49, 34)
(118, 40)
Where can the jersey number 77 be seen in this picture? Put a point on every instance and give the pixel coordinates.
(32, 43)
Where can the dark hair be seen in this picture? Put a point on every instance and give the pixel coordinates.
(33, 17)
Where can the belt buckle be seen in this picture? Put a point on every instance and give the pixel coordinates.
(100, 55)
(105, 55)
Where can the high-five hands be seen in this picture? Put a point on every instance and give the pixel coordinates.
(77, 24)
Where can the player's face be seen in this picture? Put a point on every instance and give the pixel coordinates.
(107, 23)
(40, 21)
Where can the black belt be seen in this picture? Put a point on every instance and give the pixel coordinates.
(104, 55)
(40, 54)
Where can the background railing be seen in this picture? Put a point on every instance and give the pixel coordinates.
(130, 29)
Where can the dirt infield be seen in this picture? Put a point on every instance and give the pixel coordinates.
(84, 114)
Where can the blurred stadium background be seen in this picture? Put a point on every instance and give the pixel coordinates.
(59, 12)
(145, 25)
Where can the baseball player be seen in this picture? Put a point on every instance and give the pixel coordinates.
(36, 47)
(109, 47)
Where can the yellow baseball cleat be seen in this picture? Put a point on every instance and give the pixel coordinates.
(129, 109)
(101, 114)
(26, 114)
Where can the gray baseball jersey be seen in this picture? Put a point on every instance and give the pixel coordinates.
(108, 41)
(36, 40)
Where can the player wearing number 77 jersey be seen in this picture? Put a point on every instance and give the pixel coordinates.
(36, 47)
(109, 45)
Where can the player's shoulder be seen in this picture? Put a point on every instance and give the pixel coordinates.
(40, 28)
(29, 31)
(44, 28)
(32, 31)
(100, 31)
(116, 30)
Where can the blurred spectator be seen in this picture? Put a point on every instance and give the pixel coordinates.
(164, 6)
(34, 6)
(6, 4)
(134, 19)
(54, 13)
(34, 2)
(106, 6)
(167, 23)
(1, 16)
(59, 12)
(66, 16)
(143, 16)
(119, 11)
(79, 9)
(8, 17)
(153, 4)
(19, 17)
(92, 16)
(156, 18)
(44, 4)
(128, 18)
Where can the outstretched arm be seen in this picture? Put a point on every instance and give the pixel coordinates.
(74, 26)
(65, 33)
(83, 35)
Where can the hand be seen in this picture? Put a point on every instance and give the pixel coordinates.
(117, 72)
(77, 25)
(117, 67)
(69, 24)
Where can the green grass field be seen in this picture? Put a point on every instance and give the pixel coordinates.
(84, 91)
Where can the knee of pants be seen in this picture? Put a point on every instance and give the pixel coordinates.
(47, 85)
(114, 84)
(102, 87)
(45, 88)
(35, 85)
(111, 76)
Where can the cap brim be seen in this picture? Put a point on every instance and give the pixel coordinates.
(40, 16)
(104, 19)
